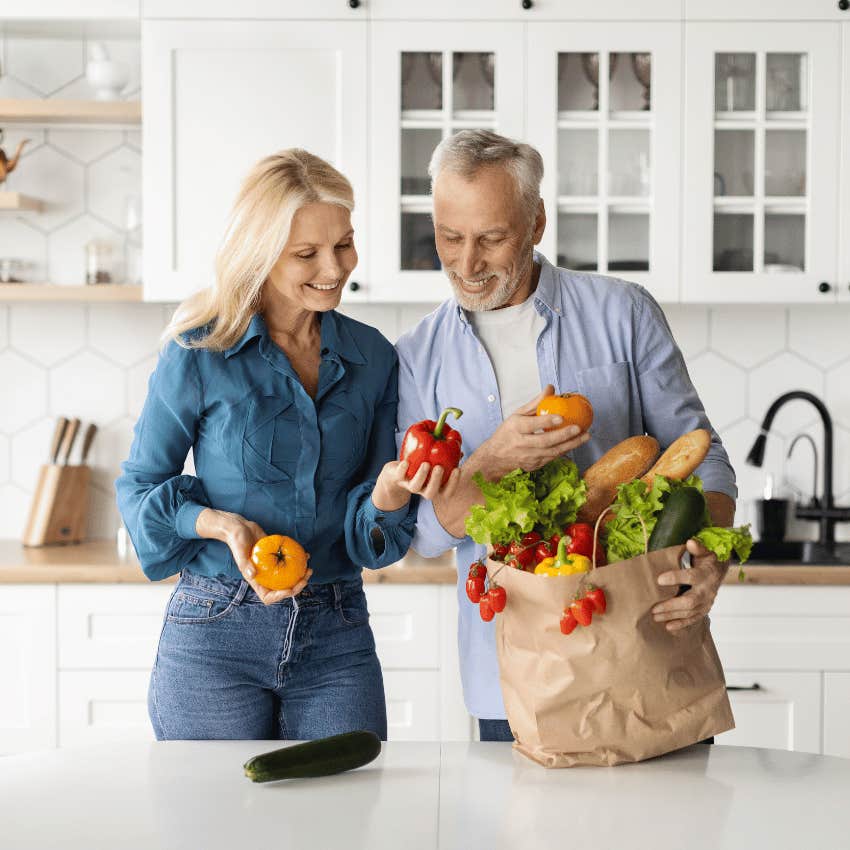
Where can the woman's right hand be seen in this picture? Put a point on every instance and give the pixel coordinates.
(240, 535)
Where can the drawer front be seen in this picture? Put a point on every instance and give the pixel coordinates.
(782, 713)
(110, 626)
(413, 705)
(407, 626)
(103, 706)
(836, 714)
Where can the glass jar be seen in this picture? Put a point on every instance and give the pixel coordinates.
(99, 261)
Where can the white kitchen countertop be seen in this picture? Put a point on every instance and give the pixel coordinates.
(193, 794)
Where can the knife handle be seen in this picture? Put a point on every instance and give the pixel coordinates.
(68, 441)
(88, 437)
(56, 439)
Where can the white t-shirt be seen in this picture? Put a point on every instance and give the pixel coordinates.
(509, 335)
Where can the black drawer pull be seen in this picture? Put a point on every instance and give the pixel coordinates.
(754, 687)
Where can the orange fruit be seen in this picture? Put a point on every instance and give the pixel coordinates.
(280, 561)
(573, 408)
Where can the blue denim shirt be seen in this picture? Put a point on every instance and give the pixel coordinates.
(604, 337)
(263, 448)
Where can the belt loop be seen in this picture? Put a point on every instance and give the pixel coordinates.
(337, 596)
(240, 594)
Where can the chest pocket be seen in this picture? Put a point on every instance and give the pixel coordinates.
(608, 389)
(345, 420)
(272, 441)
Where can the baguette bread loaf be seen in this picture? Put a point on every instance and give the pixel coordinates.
(626, 461)
(681, 457)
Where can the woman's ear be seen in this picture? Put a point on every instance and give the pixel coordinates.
(539, 223)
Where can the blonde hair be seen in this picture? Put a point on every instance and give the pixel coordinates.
(257, 231)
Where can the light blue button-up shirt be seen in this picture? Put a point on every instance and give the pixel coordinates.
(604, 337)
(264, 449)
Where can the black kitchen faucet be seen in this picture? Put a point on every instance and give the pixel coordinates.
(826, 513)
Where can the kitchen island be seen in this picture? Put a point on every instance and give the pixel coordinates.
(193, 794)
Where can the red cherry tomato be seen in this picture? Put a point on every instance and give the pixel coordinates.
(486, 609)
(475, 588)
(568, 622)
(498, 597)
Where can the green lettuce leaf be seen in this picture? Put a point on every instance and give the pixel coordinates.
(560, 492)
(509, 510)
(724, 541)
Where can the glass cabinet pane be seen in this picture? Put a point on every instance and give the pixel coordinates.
(733, 242)
(418, 251)
(734, 82)
(578, 158)
(473, 81)
(734, 152)
(577, 241)
(628, 163)
(421, 81)
(628, 242)
(784, 243)
(416, 148)
(578, 87)
(785, 162)
(786, 82)
(631, 81)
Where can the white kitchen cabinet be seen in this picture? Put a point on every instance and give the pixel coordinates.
(97, 706)
(547, 10)
(254, 9)
(218, 96)
(611, 144)
(761, 157)
(777, 710)
(755, 10)
(836, 714)
(113, 627)
(27, 667)
(844, 171)
(429, 80)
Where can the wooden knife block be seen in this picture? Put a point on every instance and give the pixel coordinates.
(60, 506)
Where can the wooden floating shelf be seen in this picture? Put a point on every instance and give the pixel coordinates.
(82, 112)
(54, 292)
(17, 201)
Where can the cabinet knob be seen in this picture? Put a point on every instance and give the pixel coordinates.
(354, 4)
(823, 286)
(844, 5)
(527, 4)
(354, 285)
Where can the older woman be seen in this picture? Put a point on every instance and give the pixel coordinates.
(290, 410)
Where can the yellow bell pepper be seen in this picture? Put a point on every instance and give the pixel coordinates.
(574, 564)
(546, 568)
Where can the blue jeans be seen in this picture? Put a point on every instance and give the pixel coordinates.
(230, 667)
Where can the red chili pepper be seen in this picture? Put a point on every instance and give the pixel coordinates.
(434, 443)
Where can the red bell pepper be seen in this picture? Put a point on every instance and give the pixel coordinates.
(580, 542)
(434, 443)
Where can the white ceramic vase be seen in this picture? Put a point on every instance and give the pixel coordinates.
(105, 76)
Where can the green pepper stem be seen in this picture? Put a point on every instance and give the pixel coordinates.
(441, 422)
(561, 557)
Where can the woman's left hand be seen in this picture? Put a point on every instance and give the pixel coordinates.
(393, 490)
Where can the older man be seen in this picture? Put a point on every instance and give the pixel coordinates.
(517, 324)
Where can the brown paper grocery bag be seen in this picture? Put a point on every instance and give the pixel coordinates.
(622, 689)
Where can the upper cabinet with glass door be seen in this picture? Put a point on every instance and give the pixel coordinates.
(428, 82)
(762, 159)
(605, 115)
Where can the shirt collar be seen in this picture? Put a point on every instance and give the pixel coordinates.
(547, 294)
(336, 337)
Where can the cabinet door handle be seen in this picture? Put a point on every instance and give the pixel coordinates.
(354, 286)
(823, 286)
(754, 687)
(527, 4)
(844, 5)
(354, 4)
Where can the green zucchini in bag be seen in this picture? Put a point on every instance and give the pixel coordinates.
(322, 757)
(680, 518)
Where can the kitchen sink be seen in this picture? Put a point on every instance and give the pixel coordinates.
(791, 553)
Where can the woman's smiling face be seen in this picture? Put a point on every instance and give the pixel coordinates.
(317, 259)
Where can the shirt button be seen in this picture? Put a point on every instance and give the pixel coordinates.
(557, 309)
(491, 398)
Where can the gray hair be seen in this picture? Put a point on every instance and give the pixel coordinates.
(466, 152)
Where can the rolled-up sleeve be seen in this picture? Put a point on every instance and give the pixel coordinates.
(670, 403)
(158, 504)
(375, 538)
(430, 539)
